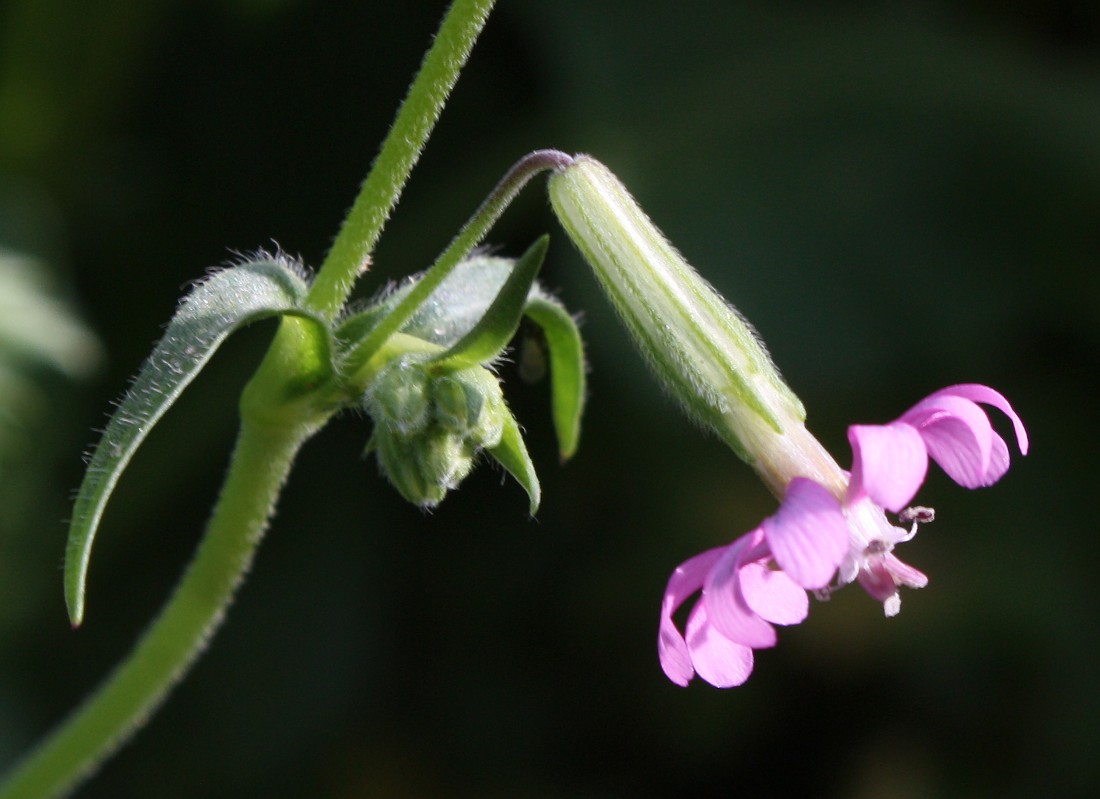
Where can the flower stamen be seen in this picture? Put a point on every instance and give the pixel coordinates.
(918, 515)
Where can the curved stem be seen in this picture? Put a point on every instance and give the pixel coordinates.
(124, 701)
(467, 238)
(400, 151)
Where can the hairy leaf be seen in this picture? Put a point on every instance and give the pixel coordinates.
(449, 312)
(215, 307)
(567, 369)
(511, 453)
(498, 324)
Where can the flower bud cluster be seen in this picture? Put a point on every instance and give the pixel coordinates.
(430, 424)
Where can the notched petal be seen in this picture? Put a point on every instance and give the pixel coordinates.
(718, 660)
(685, 582)
(889, 463)
(689, 577)
(999, 461)
(726, 606)
(808, 535)
(673, 652)
(958, 436)
(976, 392)
(773, 595)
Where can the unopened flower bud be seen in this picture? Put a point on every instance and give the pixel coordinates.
(400, 461)
(698, 345)
(444, 459)
(456, 407)
(429, 427)
(398, 397)
(482, 403)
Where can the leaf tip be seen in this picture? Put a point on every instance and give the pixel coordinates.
(534, 494)
(74, 604)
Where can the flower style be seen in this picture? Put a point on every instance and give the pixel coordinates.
(762, 578)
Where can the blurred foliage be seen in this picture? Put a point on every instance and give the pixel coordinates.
(44, 350)
(36, 331)
(899, 196)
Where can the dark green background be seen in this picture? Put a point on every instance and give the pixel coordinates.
(900, 196)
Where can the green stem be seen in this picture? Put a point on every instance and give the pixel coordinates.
(469, 237)
(128, 696)
(271, 434)
(400, 151)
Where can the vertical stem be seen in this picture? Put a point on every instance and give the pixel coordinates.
(260, 462)
(128, 696)
(399, 154)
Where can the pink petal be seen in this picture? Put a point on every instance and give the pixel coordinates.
(877, 581)
(889, 463)
(673, 653)
(685, 581)
(718, 660)
(808, 535)
(689, 577)
(988, 396)
(773, 595)
(998, 461)
(882, 576)
(672, 650)
(957, 434)
(726, 606)
(903, 573)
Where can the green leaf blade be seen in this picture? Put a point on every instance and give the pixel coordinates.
(511, 453)
(216, 307)
(498, 325)
(567, 369)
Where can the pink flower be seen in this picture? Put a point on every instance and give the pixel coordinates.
(890, 460)
(888, 466)
(757, 581)
(761, 579)
(701, 649)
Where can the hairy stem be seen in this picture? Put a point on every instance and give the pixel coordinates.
(469, 237)
(272, 431)
(128, 696)
(400, 151)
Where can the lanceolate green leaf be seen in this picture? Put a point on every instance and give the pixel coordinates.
(511, 453)
(447, 314)
(220, 304)
(567, 380)
(496, 327)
